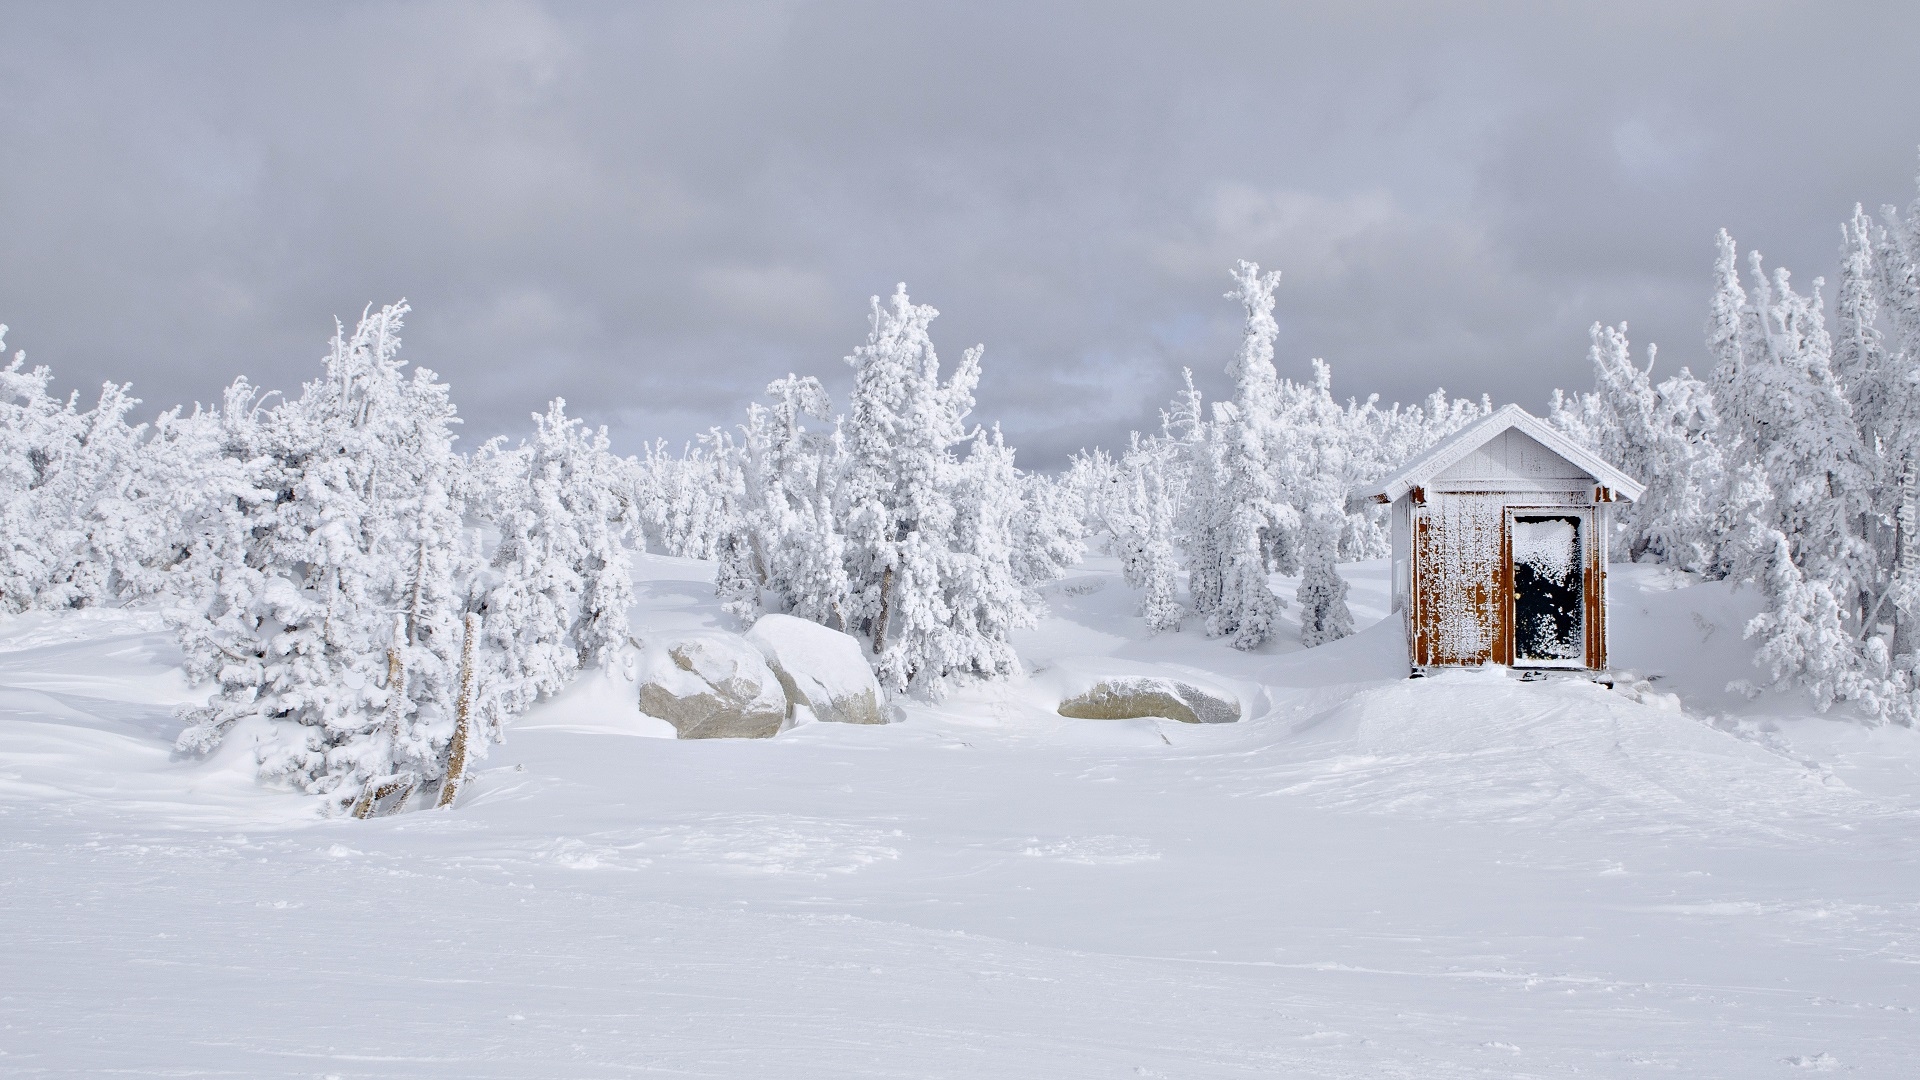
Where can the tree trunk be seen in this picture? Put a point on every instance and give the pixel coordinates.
(880, 622)
(759, 557)
(419, 586)
(396, 696)
(463, 717)
(373, 793)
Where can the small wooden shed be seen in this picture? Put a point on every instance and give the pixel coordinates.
(1500, 546)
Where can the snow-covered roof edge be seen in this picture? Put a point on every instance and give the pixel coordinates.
(1451, 450)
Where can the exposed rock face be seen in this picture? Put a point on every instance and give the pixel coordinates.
(1128, 698)
(819, 668)
(712, 686)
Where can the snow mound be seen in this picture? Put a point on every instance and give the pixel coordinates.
(1484, 745)
(819, 668)
(1377, 653)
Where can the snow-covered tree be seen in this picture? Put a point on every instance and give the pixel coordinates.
(1315, 463)
(984, 591)
(1664, 434)
(1880, 283)
(1260, 486)
(1137, 510)
(793, 555)
(896, 502)
(1785, 411)
(678, 500)
(561, 580)
(1246, 515)
(1803, 483)
(88, 502)
(339, 609)
(41, 434)
(872, 523)
(1048, 534)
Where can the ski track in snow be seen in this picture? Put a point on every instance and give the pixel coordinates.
(1461, 876)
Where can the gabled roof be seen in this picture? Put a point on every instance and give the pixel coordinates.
(1451, 450)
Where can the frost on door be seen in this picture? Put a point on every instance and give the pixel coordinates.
(1459, 555)
(1549, 591)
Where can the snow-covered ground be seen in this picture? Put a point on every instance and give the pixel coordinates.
(1369, 876)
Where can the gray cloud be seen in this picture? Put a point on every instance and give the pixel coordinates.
(653, 210)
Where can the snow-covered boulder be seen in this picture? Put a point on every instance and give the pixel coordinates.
(819, 668)
(1130, 697)
(712, 685)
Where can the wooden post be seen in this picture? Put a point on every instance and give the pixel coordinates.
(463, 716)
(1506, 635)
(1595, 557)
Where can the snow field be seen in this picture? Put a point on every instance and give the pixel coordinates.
(1461, 876)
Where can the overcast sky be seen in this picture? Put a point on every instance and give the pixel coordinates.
(652, 210)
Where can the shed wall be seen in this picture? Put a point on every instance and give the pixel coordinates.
(1460, 598)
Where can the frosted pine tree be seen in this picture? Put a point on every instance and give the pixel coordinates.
(984, 592)
(1048, 536)
(561, 580)
(796, 552)
(1194, 477)
(39, 435)
(895, 498)
(1880, 282)
(81, 521)
(1664, 434)
(1316, 468)
(1139, 509)
(678, 500)
(1247, 512)
(1802, 635)
(1790, 436)
(338, 613)
(740, 577)
(1776, 392)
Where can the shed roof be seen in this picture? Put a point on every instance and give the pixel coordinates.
(1451, 450)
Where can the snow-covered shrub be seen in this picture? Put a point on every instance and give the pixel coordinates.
(91, 507)
(677, 501)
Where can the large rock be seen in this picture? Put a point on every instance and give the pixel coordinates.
(712, 686)
(1130, 697)
(819, 668)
